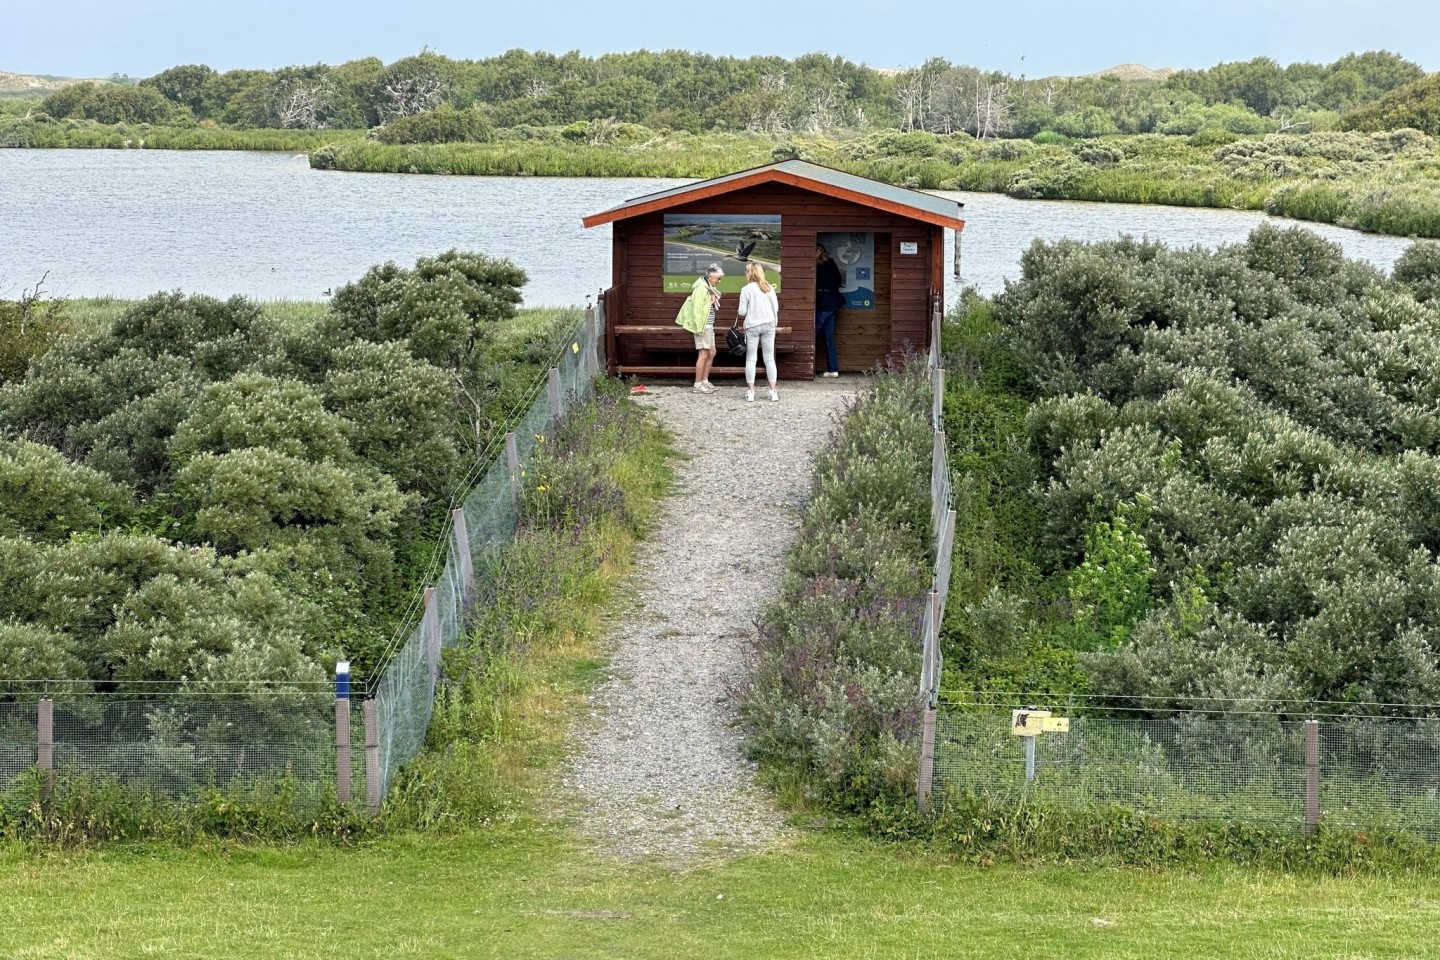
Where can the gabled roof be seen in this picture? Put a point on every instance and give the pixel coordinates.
(806, 176)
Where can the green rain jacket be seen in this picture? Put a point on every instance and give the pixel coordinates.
(696, 310)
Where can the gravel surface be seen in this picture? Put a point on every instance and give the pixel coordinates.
(659, 773)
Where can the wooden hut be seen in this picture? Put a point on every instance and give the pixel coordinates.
(888, 241)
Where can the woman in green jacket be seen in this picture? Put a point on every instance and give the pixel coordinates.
(698, 316)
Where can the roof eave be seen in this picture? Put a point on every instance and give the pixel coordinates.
(771, 175)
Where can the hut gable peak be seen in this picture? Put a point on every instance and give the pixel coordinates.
(819, 179)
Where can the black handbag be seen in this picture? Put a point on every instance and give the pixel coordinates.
(735, 340)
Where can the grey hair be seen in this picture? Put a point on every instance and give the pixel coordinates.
(714, 268)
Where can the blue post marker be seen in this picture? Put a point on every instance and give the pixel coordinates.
(342, 731)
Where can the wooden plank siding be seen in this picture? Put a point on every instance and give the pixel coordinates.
(864, 337)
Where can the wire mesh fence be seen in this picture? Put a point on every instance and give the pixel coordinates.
(484, 521)
(176, 745)
(1346, 772)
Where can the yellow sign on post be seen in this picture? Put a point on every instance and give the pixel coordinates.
(1030, 724)
(1033, 723)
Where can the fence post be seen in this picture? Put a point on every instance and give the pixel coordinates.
(461, 533)
(342, 731)
(554, 387)
(926, 780)
(430, 626)
(372, 758)
(45, 745)
(1312, 775)
(937, 411)
(592, 358)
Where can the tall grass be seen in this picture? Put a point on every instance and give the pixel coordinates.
(86, 134)
(590, 493)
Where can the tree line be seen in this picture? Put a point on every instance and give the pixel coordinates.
(679, 90)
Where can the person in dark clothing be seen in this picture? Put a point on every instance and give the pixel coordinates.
(828, 301)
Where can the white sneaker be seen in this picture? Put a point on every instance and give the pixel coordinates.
(829, 373)
(700, 388)
(774, 397)
(707, 387)
(750, 396)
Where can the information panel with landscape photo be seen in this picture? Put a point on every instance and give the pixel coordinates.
(693, 241)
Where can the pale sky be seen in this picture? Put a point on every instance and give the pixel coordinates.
(1036, 38)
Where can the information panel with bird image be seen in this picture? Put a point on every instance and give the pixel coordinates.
(693, 241)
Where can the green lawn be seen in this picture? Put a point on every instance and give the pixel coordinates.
(523, 892)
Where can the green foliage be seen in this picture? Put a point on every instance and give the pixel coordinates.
(297, 460)
(1110, 590)
(1416, 105)
(830, 705)
(596, 483)
(28, 326)
(47, 497)
(108, 103)
(1229, 451)
(444, 124)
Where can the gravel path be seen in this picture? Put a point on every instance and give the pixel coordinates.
(659, 774)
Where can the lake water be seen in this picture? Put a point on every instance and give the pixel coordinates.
(128, 223)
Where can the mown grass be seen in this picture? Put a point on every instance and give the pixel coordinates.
(526, 892)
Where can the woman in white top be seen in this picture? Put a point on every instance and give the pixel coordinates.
(760, 310)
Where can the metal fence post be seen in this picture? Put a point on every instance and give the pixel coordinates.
(45, 745)
(430, 623)
(1312, 775)
(925, 783)
(372, 758)
(342, 731)
(554, 387)
(461, 536)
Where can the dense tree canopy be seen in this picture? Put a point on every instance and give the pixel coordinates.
(679, 90)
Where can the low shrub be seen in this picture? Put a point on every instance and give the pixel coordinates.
(831, 705)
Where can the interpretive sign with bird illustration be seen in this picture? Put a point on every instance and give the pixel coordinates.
(693, 241)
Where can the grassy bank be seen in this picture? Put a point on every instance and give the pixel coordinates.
(1382, 183)
(87, 134)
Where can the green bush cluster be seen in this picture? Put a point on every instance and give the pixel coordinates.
(112, 103)
(1201, 475)
(831, 704)
(444, 124)
(197, 491)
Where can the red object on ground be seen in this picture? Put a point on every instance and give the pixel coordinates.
(639, 388)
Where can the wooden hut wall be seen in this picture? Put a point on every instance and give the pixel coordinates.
(903, 283)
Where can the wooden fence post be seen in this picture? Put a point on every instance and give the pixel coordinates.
(1312, 775)
(343, 789)
(937, 411)
(45, 745)
(512, 459)
(924, 784)
(462, 554)
(592, 357)
(430, 630)
(372, 758)
(554, 387)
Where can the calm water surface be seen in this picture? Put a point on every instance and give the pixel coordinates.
(128, 223)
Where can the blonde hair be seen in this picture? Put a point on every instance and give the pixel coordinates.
(756, 274)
